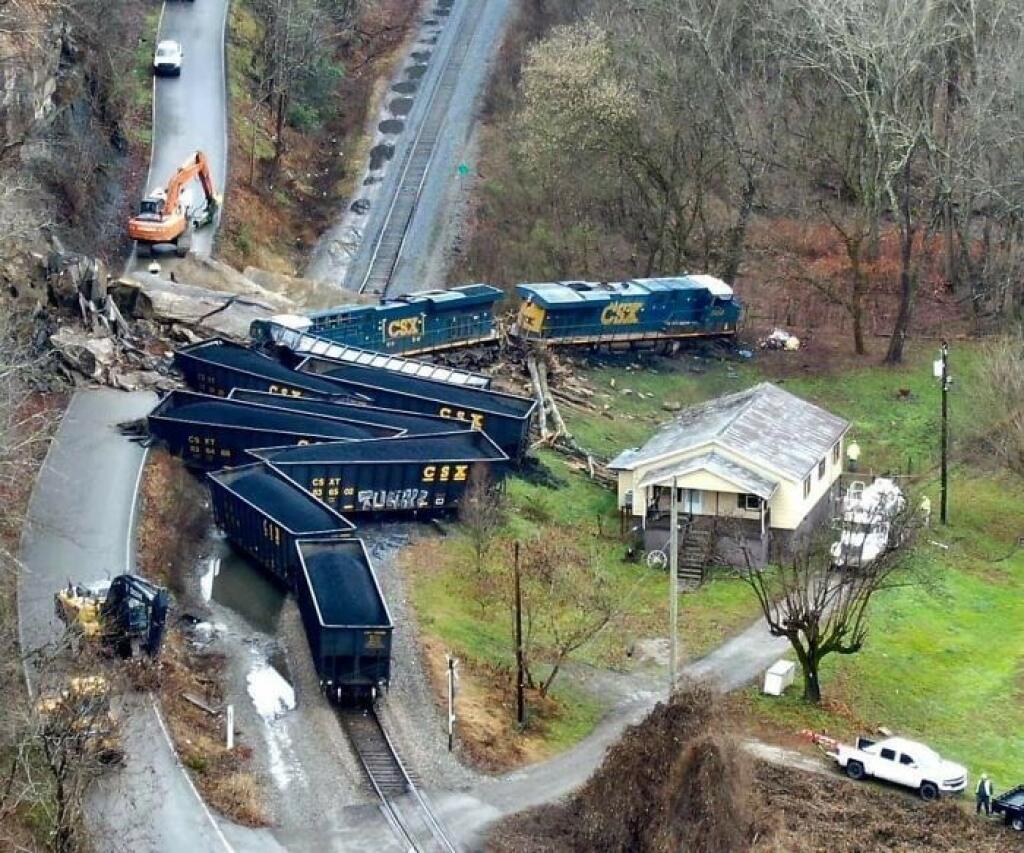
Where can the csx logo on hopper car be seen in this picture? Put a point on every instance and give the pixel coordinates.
(406, 327)
(443, 473)
(475, 418)
(621, 313)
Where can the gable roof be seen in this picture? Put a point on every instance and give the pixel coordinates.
(714, 463)
(763, 424)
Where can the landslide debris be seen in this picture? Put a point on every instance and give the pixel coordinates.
(678, 781)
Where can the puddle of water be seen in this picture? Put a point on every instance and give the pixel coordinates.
(370, 180)
(442, 12)
(244, 588)
(420, 55)
(391, 125)
(406, 87)
(360, 206)
(400, 106)
(380, 154)
(414, 72)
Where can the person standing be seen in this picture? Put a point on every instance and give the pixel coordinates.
(983, 795)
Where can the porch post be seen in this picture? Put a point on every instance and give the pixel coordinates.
(762, 517)
(673, 583)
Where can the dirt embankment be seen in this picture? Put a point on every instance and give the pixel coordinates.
(282, 197)
(172, 534)
(678, 781)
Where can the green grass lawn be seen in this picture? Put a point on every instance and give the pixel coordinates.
(945, 664)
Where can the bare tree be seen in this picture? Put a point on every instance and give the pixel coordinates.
(482, 513)
(825, 610)
(567, 603)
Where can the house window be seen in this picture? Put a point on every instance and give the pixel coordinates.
(750, 503)
(821, 469)
(807, 486)
(835, 453)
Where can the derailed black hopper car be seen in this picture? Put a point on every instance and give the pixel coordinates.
(346, 619)
(504, 417)
(417, 474)
(411, 423)
(210, 432)
(263, 514)
(216, 366)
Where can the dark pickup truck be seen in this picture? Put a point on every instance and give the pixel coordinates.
(1011, 806)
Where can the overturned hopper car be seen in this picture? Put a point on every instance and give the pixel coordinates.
(416, 474)
(346, 619)
(216, 366)
(411, 423)
(210, 432)
(264, 514)
(504, 417)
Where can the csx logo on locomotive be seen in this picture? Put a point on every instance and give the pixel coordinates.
(406, 327)
(621, 313)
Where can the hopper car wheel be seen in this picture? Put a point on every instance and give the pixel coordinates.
(657, 559)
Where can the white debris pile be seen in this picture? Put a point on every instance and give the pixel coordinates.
(271, 693)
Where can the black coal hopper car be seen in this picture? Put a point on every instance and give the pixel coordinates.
(346, 619)
(264, 514)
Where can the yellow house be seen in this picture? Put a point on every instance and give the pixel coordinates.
(760, 466)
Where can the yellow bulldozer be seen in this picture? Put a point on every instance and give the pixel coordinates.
(127, 614)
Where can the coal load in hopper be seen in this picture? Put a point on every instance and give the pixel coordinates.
(504, 417)
(210, 432)
(412, 424)
(416, 474)
(216, 366)
(264, 514)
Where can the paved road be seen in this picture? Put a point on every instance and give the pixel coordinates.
(733, 664)
(190, 111)
(79, 519)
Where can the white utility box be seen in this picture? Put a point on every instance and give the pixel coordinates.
(779, 676)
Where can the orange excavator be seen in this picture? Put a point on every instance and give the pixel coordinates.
(166, 215)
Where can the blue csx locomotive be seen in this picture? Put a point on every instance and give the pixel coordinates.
(572, 312)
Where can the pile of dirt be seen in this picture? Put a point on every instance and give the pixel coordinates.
(678, 782)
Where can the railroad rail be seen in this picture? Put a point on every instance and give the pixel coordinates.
(419, 154)
(404, 806)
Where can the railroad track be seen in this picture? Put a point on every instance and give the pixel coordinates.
(404, 806)
(415, 165)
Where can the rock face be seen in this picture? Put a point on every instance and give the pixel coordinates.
(27, 87)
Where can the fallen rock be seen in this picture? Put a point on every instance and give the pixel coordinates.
(307, 293)
(149, 297)
(88, 355)
(671, 406)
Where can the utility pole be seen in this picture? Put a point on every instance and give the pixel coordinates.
(673, 588)
(520, 674)
(944, 375)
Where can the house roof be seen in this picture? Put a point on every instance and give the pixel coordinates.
(714, 463)
(763, 424)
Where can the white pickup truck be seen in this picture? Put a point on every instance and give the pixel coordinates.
(904, 762)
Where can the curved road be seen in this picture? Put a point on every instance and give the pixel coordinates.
(190, 111)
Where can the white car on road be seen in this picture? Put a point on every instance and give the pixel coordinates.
(168, 58)
(904, 762)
